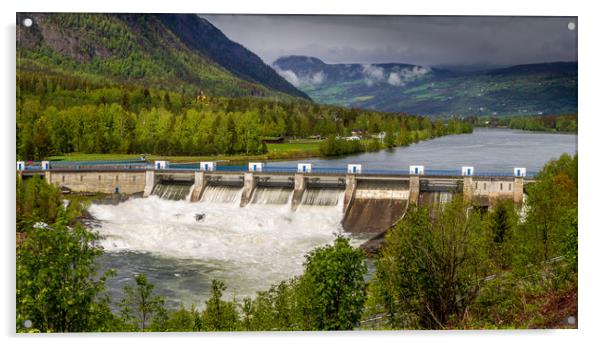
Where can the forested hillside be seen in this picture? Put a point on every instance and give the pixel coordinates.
(139, 49)
(58, 114)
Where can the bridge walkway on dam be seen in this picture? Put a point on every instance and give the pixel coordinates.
(143, 165)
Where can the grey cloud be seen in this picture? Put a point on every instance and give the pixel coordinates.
(420, 40)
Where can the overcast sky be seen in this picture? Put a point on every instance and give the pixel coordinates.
(407, 39)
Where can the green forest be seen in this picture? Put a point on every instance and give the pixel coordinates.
(548, 123)
(60, 114)
(449, 266)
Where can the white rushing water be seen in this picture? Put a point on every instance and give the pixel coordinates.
(174, 192)
(272, 195)
(221, 194)
(322, 197)
(249, 248)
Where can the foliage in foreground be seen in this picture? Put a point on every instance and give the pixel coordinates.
(56, 289)
(461, 269)
(430, 268)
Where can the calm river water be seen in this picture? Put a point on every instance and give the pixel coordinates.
(488, 150)
(254, 247)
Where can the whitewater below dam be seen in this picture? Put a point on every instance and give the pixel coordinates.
(181, 245)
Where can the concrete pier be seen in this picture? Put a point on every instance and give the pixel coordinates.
(468, 188)
(149, 183)
(518, 191)
(414, 188)
(298, 190)
(248, 188)
(198, 187)
(350, 186)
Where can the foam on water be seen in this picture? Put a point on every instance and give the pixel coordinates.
(250, 248)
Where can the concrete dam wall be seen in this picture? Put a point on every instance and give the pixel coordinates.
(370, 203)
(376, 205)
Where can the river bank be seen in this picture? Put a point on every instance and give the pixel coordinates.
(290, 150)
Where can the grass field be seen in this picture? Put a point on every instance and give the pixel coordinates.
(294, 146)
(292, 150)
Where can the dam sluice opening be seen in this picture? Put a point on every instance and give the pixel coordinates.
(322, 196)
(173, 190)
(272, 195)
(221, 194)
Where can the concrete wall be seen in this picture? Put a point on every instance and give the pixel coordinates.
(350, 186)
(298, 190)
(518, 190)
(249, 186)
(104, 182)
(199, 186)
(493, 187)
(150, 183)
(382, 194)
(414, 188)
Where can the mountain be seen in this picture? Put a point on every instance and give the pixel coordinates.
(176, 52)
(200, 35)
(547, 88)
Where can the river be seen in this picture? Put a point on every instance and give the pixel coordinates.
(254, 247)
(488, 150)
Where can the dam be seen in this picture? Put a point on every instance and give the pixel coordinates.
(371, 201)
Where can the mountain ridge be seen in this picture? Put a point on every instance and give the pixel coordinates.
(140, 49)
(540, 88)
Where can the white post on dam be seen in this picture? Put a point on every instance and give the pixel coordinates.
(161, 164)
(207, 166)
(354, 169)
(467, 171)
(255, 166)
(416, 170)
(304, 167)
(520, 172)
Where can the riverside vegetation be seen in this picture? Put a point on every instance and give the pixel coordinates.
(450, 266)
(61, 114)
(549, 123)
